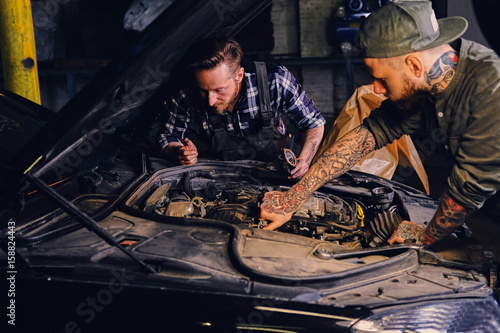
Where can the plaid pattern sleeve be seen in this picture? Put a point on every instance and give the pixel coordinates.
(286, 96)
(294, 101)
(177, 109)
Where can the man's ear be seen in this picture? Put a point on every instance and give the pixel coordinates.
(239, 75)
(415, 65)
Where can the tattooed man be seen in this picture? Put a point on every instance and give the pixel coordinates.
(434, 80)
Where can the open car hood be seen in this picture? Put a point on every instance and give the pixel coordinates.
(116, 96)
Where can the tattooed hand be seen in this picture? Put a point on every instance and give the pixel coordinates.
(337, 159)
(274, 208)
(407, 230)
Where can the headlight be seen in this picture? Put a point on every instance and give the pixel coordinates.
(449, 316)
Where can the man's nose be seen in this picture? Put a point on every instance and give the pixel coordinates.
(212, 98)
(378, 87)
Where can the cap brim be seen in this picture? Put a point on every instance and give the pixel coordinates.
(450, 29)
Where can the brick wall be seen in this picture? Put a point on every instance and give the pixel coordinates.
(302, 32)
(304, 29)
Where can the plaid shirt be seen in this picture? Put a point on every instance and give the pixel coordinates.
(286, 96)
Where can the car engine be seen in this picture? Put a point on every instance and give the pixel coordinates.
(235, 198)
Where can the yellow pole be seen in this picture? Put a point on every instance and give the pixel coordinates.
(17, 44)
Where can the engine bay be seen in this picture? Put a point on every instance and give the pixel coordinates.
(234, 197)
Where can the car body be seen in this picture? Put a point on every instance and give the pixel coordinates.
(100, 234)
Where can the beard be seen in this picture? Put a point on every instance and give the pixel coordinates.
(412, 99)
(221, 106)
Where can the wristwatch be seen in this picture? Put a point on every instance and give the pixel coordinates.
(288, 160)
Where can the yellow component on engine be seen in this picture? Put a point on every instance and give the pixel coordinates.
(361, 216)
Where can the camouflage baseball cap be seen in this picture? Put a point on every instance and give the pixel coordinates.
(405, 26)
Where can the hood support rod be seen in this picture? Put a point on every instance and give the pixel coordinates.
(84, 219)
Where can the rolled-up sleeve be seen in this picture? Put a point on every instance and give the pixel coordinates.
(388, 123)
(297, 104)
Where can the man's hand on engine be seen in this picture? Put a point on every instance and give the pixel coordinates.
(407, 231)
(274, 209)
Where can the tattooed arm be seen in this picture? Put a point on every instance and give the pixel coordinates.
(278, 207)
(449, 216)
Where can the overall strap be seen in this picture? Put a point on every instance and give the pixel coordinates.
(216, 122)
(264, 99)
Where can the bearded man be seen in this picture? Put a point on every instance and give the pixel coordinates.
(433, 80)
(238, 108)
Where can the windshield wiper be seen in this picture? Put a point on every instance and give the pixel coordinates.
(83, 219)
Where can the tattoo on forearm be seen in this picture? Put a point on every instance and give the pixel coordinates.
(449, 216)
(442, 71)
(426, 238)
(335, 161)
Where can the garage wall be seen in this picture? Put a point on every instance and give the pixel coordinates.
(298, 35)
(75, 39)
(88, 32)
(465, 8)
(303, 35)
(318, 79)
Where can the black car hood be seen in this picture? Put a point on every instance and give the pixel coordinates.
(114, 97)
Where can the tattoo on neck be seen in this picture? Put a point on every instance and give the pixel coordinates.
(442, 71)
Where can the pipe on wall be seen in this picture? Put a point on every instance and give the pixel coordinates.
(17, 44)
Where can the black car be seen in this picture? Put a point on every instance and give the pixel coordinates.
(100, 234)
